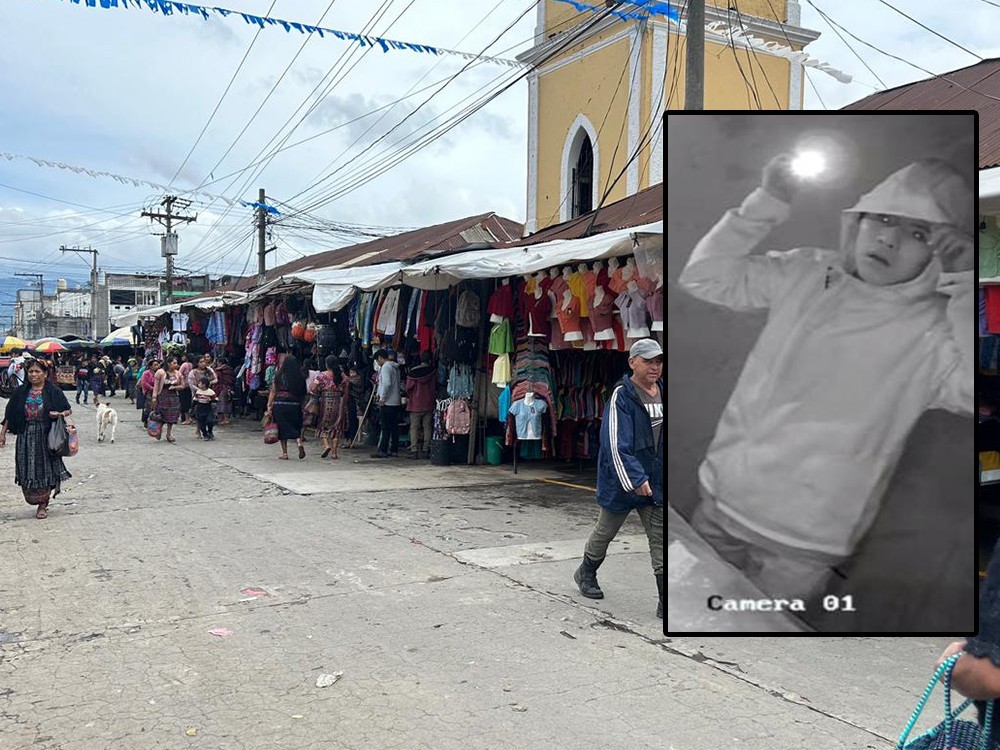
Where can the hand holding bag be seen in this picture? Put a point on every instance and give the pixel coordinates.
(270, 433)
(155, 426)
(952, 733)
(58, 438)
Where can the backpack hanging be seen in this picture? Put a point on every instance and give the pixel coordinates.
(458, 418)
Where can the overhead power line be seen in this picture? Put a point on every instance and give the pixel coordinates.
(952, 42)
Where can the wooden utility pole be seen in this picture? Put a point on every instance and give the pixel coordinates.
(694, 76)
(168, 243)
(93, 282)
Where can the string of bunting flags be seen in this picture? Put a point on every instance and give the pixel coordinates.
(116, 177)
(649, 8)
(170, 7)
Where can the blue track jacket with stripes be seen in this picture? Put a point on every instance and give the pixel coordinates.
(628, 456)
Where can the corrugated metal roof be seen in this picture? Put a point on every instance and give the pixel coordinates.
(975, 87)
(643, 207)
(426, 242)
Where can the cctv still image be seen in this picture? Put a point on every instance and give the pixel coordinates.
(821, 373)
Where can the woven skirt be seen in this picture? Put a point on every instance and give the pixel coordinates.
(35, 468)
(169, 406)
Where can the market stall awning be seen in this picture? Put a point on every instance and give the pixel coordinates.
(440, 273)
(204, 303)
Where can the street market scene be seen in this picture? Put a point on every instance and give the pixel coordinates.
(332, 380)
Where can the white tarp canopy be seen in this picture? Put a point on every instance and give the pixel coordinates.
(205, 303)
(334, 288)
(440, 273)
(989, 191)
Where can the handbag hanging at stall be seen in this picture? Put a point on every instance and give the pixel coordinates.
(952, 733)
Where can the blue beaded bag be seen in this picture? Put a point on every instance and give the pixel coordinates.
(952, 733)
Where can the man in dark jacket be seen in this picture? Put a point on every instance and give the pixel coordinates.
(630, 466)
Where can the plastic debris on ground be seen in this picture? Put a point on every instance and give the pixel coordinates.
(221, 632)
(325, 680)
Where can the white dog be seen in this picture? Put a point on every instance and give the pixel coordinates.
(106, 417)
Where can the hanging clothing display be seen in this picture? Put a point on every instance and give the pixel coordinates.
(993, 308)
(632, 307)
(528, 418)
(601, 314)
(501, 340)
(654, 304)
(568, 313)
(537, 307)
(582, 284)
(501, 303)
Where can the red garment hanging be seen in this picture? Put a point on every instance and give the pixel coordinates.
(993, 308)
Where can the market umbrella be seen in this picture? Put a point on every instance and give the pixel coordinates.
(81, 344)
(119, 337)
(48, 347)
(12, 342)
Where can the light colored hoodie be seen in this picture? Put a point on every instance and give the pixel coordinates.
(843, 369)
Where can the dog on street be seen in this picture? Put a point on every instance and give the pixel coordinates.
(107, 418)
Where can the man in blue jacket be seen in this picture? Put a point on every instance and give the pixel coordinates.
(630, 466)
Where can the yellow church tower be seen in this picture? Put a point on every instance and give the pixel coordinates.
(600, 83)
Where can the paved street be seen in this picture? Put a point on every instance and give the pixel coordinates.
(443, 595)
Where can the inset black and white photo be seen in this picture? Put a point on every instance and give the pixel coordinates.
(820, 372)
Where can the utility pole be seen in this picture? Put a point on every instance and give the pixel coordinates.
(168, 243)
(41, 302)
(694, 76)
(262, 249)
(93, 282)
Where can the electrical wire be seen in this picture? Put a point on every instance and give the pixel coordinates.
(221, 98)
(344, 56)
(942, 76)
(412, 113)
(952, 42)
(750, 58)
(274, 88)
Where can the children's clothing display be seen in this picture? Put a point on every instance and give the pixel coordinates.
(632, 307)
(501, 304)
(568, 313)
(528, 418)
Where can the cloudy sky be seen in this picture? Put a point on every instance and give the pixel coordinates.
(129, 92)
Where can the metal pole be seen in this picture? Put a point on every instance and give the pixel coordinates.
(694, 78)
(93, 296)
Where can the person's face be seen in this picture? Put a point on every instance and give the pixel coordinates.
(646, 371)
(891, 249)
(154, 366)
(36, 375)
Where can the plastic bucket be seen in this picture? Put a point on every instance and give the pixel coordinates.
(494, 450)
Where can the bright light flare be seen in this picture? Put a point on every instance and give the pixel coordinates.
(808, 164)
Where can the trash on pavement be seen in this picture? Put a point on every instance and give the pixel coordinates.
(221, 632)
(252, 592)
(325, 680)
(191, 732)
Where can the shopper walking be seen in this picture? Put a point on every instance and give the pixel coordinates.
(630, 466)
(131, 377)
(194, 376)
(977, 673)
(284, 404)
(226, 376)
(420, 386)
(167, 387)
(332, 389)
(185, 395)
(82, 379)
(97, 377)
(390, 404)
(29, 415)
(144, 389)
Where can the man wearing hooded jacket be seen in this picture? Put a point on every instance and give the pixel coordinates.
(630, 466)
(859, 343)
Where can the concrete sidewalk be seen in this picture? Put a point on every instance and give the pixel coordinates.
(448, 605)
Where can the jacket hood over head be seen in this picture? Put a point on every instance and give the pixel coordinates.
(931, 190)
